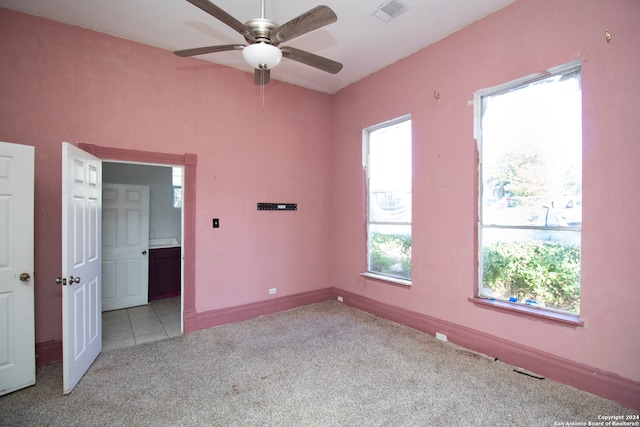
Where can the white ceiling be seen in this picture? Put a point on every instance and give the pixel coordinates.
(359, 40)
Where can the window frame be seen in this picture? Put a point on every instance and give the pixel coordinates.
(520, 308)
(177, 188)
(368, 273)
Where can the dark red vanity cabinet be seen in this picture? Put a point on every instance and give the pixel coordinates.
(164, 273)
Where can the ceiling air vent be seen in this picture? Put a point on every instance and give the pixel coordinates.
(390, 9)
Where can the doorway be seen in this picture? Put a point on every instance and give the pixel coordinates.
(142, 251)
(189, 163)
(81, 301)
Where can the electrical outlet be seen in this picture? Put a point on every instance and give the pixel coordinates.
(272, 291)
(441, 337)
(340, 299)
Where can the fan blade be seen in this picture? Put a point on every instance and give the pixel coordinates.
(311, 59)
(312, 20)
(221, 15)
(261, 77)
(209, 49)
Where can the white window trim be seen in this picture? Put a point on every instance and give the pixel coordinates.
(516, 307)
(384, 278)
(365, 164)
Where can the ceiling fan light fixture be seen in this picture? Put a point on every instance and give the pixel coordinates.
(263, 37)
(262, 56)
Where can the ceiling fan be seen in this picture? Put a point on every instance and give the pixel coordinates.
(264, 36)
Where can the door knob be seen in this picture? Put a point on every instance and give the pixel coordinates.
(144, 252)
(73, 280)
(61, 281)
(25, 277)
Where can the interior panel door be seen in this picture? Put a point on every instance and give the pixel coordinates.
(81, 263)
(17, 325)
(125, 246)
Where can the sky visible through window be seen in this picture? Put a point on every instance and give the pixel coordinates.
(546, 115)
(390, 148)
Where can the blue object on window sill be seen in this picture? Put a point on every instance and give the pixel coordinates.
(529, 310)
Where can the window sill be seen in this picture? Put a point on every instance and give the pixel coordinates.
(387, 279)
(525, 310)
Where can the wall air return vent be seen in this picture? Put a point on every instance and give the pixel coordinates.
(390, 9)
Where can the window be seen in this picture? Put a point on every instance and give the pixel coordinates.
(176, 178)
(530, 143)
(387, 150)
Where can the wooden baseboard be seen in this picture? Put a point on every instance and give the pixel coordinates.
(596, 381)
(48, 352)
(189, 319)
(249, 311)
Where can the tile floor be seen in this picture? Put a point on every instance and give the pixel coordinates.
(130, 326)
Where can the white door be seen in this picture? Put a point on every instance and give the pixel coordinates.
(17, 330)
(81, 263)
(125, 245)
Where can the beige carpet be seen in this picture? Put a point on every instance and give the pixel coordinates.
(321, 365)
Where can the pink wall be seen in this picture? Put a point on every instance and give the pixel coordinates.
(526, 37)
(62, 83)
